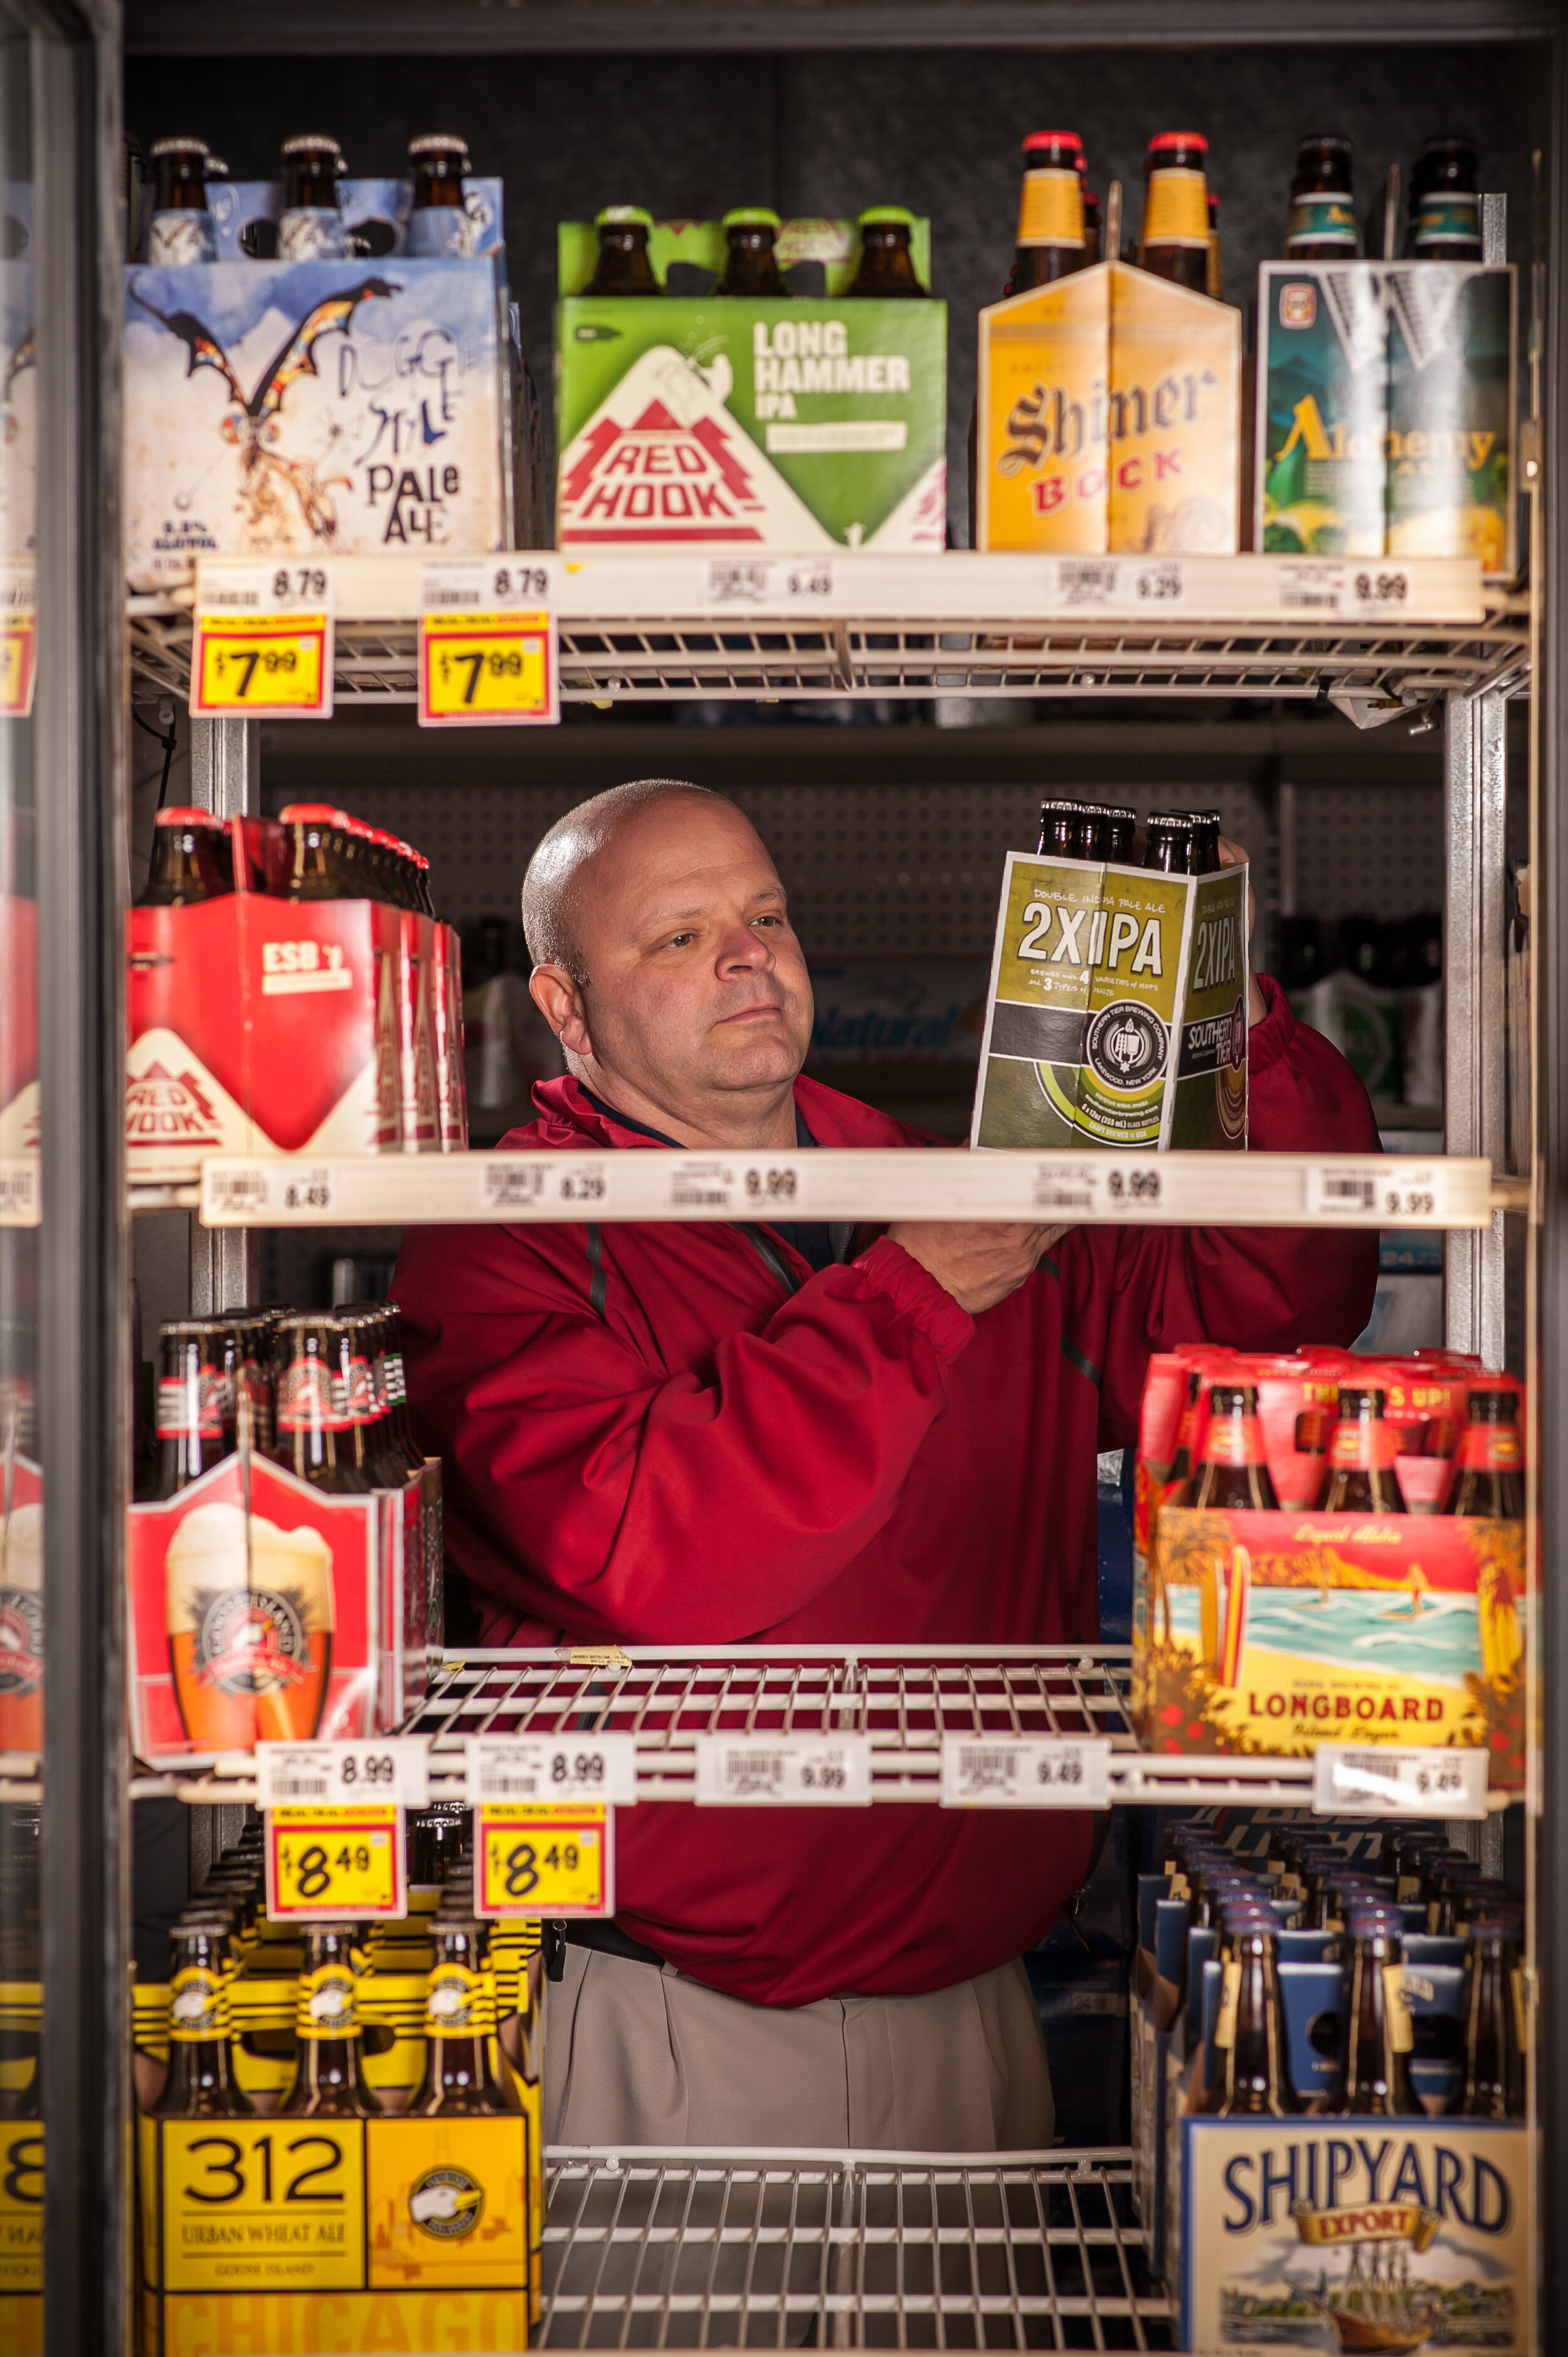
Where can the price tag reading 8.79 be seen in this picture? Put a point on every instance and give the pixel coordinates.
(539, 1860)
(323, 1863)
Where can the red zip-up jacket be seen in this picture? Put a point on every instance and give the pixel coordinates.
(644, 1439)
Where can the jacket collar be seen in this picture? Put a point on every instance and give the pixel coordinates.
(566, 1118)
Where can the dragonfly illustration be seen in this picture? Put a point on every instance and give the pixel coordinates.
(268, 480)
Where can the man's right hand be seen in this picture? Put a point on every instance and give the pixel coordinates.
(980, 1261)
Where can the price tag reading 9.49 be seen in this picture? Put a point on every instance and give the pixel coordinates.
(488, 670)
(535, 1860)
(323, 1863)
(1025, 1771)
(1398, 1780)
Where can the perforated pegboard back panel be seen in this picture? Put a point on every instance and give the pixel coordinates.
(874, 871)
(1368, 852)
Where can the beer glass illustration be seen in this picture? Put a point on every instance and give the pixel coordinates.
(22, 1628)
(250, 1630)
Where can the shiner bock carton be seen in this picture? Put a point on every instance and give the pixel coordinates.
(1117, 1014)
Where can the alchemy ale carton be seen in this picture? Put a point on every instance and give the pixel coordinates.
(1355, 2233)
(310, 408)
(1118, 1008)
(1110, 417)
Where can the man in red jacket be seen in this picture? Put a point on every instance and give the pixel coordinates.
(783, 1434)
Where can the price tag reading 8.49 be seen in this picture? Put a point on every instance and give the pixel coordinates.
(539, 1860)
(323, 1863)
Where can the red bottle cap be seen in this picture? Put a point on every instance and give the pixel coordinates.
(1053, 139)
(1167, 139)
(298, 812)
(188, 818)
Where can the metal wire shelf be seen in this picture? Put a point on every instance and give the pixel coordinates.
(710, 2249)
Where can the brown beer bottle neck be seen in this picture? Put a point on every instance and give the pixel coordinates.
(1251, 2032)
(1234, 1471)
(314, 1431)
(191, 861)
(194, 1403)
(311, 165)
(330, 2078)
(1322, 223)
(1052, 240)
(459, 2021)
(1176, 213)
(751, 265)
(887, 265)
(439, 162)
(1361, 1451)
(180, 176)
(624, 265)
(201, 2083)
(1378, 2037)
(1494, 2026)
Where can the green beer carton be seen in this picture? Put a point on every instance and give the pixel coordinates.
(736, 424)
(1385, 410)
(1118, 1008)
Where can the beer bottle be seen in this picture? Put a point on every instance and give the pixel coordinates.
(1490, 1478)
(751, 265)
(1059, 833)
(354, 1355)
(1234, 1471)
(1092, 229)
(1210, 1887)
(887, 266)
(310, 226)
(1178, 1473)
(1374, 2071)
(247, 1366)
(1495, 2038)
(422, 896)
(1168, 844)
(181, 228)
(1120, 829)
(1052, 237)
(1175, 212)
(1448, 206)
(191, 861)
(314, 1431)
(1361, 1450)
(314, 865)
(329, 2079)
(459, 2021)
(195, 1402)
(1211, 285)
(438, 220)
(201, 2083)
(1205, 855)
(624, 265)
(1322, 223)
(1249, 2040)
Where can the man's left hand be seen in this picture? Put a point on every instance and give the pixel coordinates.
(1232, 854)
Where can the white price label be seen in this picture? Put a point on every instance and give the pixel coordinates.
(772, 585)
(297, 1775)
(551, 1767)
(464, 584)
(239, 589)
(1025, 1771)
(1142, 584)
(1398, 1782)
(789, 1771)
(701, 1186)
(1377, 589)
(233, 1191)
(1085, 1188)
(508, 1183)
(20, 1204)
(1374, 1193)
(1312, 586)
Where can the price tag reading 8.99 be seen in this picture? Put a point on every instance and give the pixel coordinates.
(539, 1860)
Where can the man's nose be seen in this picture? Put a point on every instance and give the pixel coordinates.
(743, 949)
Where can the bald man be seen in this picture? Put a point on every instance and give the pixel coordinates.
(789, 1433)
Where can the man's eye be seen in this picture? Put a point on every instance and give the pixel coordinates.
(767, 921)
(678, 941)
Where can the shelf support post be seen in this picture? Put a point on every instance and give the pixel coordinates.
(1474, 924)
(225, 778)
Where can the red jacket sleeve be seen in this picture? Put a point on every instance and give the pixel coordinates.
(607, 1496)
(1258, 1289)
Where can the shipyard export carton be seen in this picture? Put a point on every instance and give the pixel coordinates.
(1109, 417)
(1385, 411)
(311, 408)
(740, 424)
(1117, 1013)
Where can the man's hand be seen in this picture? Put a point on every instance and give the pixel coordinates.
(980, 1261)
(1232, 854)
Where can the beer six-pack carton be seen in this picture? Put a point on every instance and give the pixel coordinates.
(1117, 1012)
(748, 423)
(1277, 1631)
(1109, 417)
(1385, 411)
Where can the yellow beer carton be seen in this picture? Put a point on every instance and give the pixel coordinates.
(1109, 418)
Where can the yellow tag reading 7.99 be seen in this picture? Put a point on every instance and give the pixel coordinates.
(481, 670)
(273, 664)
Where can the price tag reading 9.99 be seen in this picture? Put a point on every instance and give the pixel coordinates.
(539, 1860)
(323, 1863)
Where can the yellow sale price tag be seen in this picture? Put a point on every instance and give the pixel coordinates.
(326, 1862)
(539, 1860)
(277, 663)
(486, 670)
(18, 654)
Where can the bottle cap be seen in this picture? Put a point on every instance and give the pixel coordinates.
(311, 143)
(1162, 141)
(1052, 139)
(750, 217)
(180, 147)
(188, 818)
(313, 814)
(623, 217)
(1328, 139)
(886, 216)
(439, 143)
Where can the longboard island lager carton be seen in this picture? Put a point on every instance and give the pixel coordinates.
(1118, 1008)
(746, 423)
(1109, 410)
(1385, 409)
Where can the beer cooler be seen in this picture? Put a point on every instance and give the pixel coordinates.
(214, 1097)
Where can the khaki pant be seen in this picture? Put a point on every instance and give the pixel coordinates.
(637, 2056)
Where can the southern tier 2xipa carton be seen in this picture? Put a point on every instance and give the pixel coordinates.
(1110, 417)
(1385, 409)
(1118, 1008)
(743, 423)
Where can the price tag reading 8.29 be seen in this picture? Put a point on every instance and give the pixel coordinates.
(539, 1860)
(324, 1862)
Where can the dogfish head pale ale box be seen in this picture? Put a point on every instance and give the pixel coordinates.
(1117, 1013)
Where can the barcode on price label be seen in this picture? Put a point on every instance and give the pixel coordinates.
(510, 1183)
(395, 1768)
(1309, 588)
(788, 1771)
(1025, 1771)
(701, 1186)
(1397, 1780)
(1345, 1190)
(19, 1204)
(776, 582)
(245, 1188)
(551, 1767)
(1065, 1186)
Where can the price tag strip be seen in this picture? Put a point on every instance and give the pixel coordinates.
(18, 636)
(264, 640)
(1398, 1782)
(334, 1816)
(1025, 1771)
(551, 1767)
(770, 585)
(535, 1859)
(488, 654)
(784, 1771)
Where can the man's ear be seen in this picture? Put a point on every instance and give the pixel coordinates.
(560, 1000)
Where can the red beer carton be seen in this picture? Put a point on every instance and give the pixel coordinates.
(21, 1600)
(418, 1107)
(446, 1026)
(254, 1626)
(19, 1024)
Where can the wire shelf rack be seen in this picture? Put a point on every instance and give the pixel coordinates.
(707, 2249)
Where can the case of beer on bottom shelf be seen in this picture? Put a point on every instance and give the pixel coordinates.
(1276, 1631)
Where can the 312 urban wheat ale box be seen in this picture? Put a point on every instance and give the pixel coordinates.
(1110, 417)
(745, 423)
(1385, 410)
(1117, 1014)
(308, 408)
